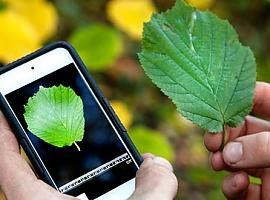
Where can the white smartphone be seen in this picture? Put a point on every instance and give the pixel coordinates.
(103, 162)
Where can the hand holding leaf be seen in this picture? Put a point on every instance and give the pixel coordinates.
(56, 116)
(197, 60)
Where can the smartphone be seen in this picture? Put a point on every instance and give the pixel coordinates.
(66, 126)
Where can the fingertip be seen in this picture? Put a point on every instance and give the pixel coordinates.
(217, 161)
(163, 162)
(154, 180)
(235, 185)
(233, 153)
(260, 101)
(150, 159)
(241, 180)
(148, 155)
(147, 160)
(212, 141)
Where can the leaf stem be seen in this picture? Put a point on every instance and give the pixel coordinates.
(224, 138)
(77, 146)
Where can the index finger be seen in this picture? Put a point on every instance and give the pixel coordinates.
(8, 141)
(15, 174)
(261, 103)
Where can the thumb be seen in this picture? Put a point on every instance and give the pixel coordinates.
(155, 180)
(251, 151)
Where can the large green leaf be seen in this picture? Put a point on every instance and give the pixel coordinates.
(56, 116)
(197, 60)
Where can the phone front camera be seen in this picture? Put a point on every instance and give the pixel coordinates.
(32, 68)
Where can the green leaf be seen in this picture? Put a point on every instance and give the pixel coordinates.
(148, 140)
(98, 45)
(56, 116)
(197, 60)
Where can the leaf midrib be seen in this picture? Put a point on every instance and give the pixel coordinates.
(193, 19)
(181, 52)
(56, 114)
(200, 68)
(178, 83)
(238, 80)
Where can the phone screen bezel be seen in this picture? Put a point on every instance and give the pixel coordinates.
(39, 67)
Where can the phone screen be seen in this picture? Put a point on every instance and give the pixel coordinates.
(103, 162)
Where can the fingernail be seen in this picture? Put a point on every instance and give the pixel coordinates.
(163, 162)
(148, 155)
(233, 152)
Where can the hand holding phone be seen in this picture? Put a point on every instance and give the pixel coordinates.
(66, 126)
(154, 179)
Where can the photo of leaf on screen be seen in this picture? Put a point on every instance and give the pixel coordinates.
(60, 122)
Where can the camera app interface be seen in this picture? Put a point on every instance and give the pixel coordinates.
(71, 134)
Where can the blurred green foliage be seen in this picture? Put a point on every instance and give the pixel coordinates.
(2, 5)
(98, 45)
(111, 57)
(147, 140)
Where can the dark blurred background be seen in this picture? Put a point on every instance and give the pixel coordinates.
(107, 35)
